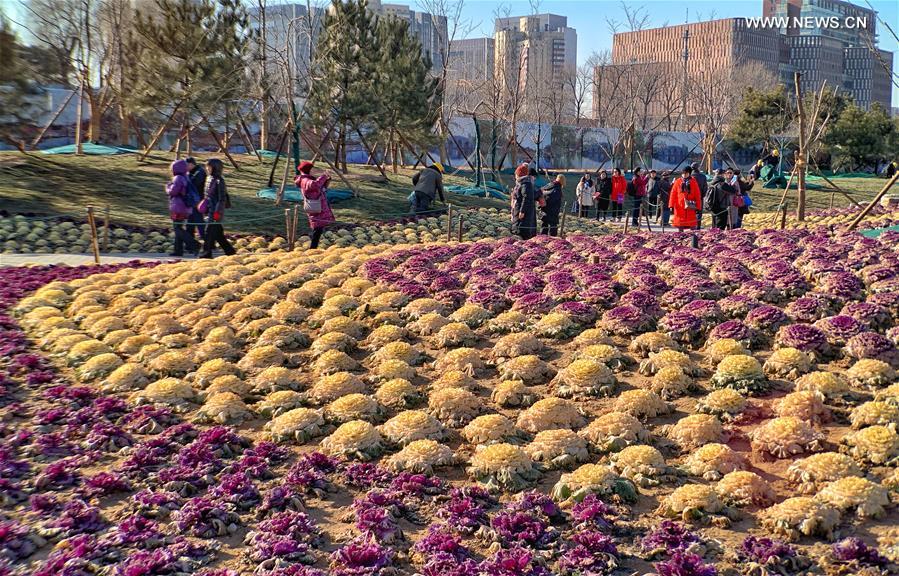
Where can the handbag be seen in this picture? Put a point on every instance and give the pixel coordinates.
(747, 200)
(312, 205)
(203, 206)
(739, 201)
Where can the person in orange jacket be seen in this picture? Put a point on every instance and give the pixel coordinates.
(619, 189)
(685, 200)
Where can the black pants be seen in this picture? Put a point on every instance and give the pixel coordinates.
(550, 226)
(699, 219)
(635, 211)
(183, 238)
(196, 225)
(215, 233)
(719, 220)
(616, 210)
(316, 236)
(585, 211)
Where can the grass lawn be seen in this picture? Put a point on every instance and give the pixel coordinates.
(66, 185)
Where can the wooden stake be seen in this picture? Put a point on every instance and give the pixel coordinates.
(159, 132)
(106, 229)
(461, 223)
(296, 221)
(783, 197)
(874, 202)
(627, 221)
(218, 141)
(800, 164)
(95, 246)
(783, 216)
(287, 225)
(564, 216)
(271, 175)
(279, 197)
(449, 222)
(832, 194)
(53, 118)
(837, 188)
(79, 143)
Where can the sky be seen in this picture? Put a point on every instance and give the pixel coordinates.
(589, 17)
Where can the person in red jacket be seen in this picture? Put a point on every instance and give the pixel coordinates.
(315, 189)
(685, 200)
(619, 189)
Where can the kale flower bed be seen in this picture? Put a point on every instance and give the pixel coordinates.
(302, 414)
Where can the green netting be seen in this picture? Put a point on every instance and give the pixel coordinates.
(875, 232)
(91, 149)
(485, 192)
(838, 176)
(267, 153)
(292, 194)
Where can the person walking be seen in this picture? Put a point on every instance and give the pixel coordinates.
(524, 204)
(637, 192)
(602, 194)
(315, 200)
(685, 201)
(742, 188)
(215, 201)
(585, 189)
(551, 206)
(703, 183)
(664, 194)
(179, 209)
(196, 177)
(619, 190)
(428, 185)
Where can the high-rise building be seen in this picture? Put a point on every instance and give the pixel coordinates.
(833, 40)
(691, 52)
(471, 59)
(534, 55)
(431, 30)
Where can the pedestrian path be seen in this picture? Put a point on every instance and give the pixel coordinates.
(12, 260)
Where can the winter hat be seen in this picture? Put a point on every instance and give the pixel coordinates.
(438, 166)
(522, 170)
(305, 167)
(179, 167)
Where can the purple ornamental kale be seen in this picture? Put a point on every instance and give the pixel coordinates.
(681, 326)
(444, 564)
(839, 329)
(379, 524)
(533, 303)
(137, 531)
(806, 309)
(105, 483)
(593, 512)
(588, 553)
(515, 561)
(107, 437)
(873, 316)
(77, 517)
(524, 529)
(360, 557)
(493, 301)
(842, 285)
(463, 513)
(855, 550)
(667, 537)
(418, 485)
(581, 312)
(16, 541)
(872, 345)
(766, 318)
(440, 540)
(561, 290)
(366, 475)
(737, 306)
(204, 518)
(685, 564)
(803, 337)
(765, 550)
(626, 320)
(237, 489)
(533, 501)
(58, 475)
(158, 504)
(645, 301)
(148, 419)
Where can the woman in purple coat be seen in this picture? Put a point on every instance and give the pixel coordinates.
(179, 210)
(315, 190)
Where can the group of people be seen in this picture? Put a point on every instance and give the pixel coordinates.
(198, 198)
(652, 194)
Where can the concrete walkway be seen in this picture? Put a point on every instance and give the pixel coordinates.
(78, 259)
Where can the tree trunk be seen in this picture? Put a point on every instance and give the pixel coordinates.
(124, 128)
(263, 125)
(190, 142)
(343, 150)
(801, 153)
(93, 131)
(441, 148)
(79, 147)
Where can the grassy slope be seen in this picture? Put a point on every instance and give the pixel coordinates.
(66, 185)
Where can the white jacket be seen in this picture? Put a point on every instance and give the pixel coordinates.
(585, 193)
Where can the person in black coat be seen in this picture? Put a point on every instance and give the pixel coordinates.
(524, 203)
(551, 206)
(197, 176)
(603, 194)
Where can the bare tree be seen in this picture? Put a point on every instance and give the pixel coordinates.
(635, 18)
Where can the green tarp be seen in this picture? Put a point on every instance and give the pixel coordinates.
(491, 190)
(874, 233)
(292, 194)
(91, 149)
